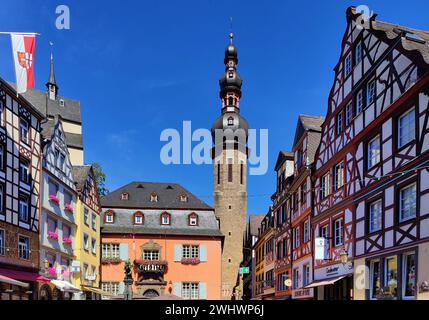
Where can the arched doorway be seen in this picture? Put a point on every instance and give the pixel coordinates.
(151, 293)
(45, 293)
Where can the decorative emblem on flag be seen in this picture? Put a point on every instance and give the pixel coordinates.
(25, 59)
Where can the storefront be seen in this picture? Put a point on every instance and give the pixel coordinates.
(334, 282)
(20, 285)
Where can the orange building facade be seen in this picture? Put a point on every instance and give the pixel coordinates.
(170, 237)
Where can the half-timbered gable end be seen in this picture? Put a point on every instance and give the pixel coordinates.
(86, 186)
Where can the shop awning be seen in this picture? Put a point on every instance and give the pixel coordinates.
(96, 290)
(13, 282)
(65, 286)
(23, 275)
(324, 282)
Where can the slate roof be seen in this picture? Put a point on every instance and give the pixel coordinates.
(140, 196)
(80, 173)
(255, 223)
(412, 40)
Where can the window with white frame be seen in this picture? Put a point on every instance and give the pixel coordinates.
(324, 186)
(359, 102)
(110, 250)
(306, 275)
(191, 251)
(406, 128)
(94, 222)
(152, 255)
(339, 175)
(297, 237)
(52, 188)
(375, 216)
(407, 202)
(324, 231)
(23, 130)
(190, 290)
(358, 52)
(165, 219)
(193, 220)
(295, 278)
(68, 198)
(23, 208)
(86, 216)
(86, 242)
(340, 122)
(374, 278)
(2, 157)
(348, 64)
(305, 233)
(349, 113)
(24, 247)
(409, 276)
(61, 162)
(24, 171)
(138, 218)
(94, 246)
(2, 242)
(391, 275)
(370, 96)
(374, 152)
(338, 232)
(110, 287)
(109, 216)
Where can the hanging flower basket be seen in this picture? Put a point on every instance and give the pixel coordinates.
(52, 235)
(54, 198)
(67, 241)
(111, 260)
(68, 207)
(52, 271)
(190, 261)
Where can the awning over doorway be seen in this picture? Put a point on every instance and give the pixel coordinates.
(23, 275)
(324, 282)
(65, 286)
(13, 282)
(96, 290)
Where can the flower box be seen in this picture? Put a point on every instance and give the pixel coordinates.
(68, 207)
(52, 271)
(53, 235)
(190, 261)
(150, 262)
(67, 241)
(54, 198)
(111, 260)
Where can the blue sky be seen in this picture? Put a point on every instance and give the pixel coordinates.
(139, 67)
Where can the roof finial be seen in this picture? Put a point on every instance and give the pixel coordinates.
(51, 84)
(231, 34)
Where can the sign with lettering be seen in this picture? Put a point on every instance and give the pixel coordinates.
(244, 270)
(333, 271)
(302, 293)
(321, 249)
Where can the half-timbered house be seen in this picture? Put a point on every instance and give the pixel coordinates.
(282, 234)
(371, 180)
(58, 220)
(20, 194)
(306, 141)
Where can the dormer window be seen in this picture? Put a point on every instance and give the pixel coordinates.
(109, 217)
(153, 197)
(124, 196)
(183, 198)
(193, 219)
(165, 219)
(61, 102)
(138, 218)
(230, 121)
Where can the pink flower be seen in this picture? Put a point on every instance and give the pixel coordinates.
(54, 198)
(67, 240)
(53, 235)
(52, 271)
(190, 261)
(68, 207)
(66, 273)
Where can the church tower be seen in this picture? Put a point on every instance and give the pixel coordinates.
(230, 132)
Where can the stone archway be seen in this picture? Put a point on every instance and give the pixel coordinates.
(45, 292)
(151, 293)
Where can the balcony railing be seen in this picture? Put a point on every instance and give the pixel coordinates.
(151, 266)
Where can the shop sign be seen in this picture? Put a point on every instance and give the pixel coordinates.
(302, 293)
(321, 249)
(334, 270)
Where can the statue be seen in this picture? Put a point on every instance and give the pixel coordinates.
(128, 280)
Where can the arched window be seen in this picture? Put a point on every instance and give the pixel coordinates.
(165, 219)
(138, 218)
(193, 219)
(124, 196)
(109, 217)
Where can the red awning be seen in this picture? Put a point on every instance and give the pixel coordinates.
(23, 275)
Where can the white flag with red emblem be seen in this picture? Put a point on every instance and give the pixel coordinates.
(23, 46)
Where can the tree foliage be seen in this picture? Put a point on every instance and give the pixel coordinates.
(100, 179)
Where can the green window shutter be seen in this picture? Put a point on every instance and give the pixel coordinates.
(203, 290)
(177, 289)
(203, 253)
(178, 249)
(123, 251)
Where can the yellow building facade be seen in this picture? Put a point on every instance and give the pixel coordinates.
(86, 266)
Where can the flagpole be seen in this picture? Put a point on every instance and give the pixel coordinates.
(23, 33)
